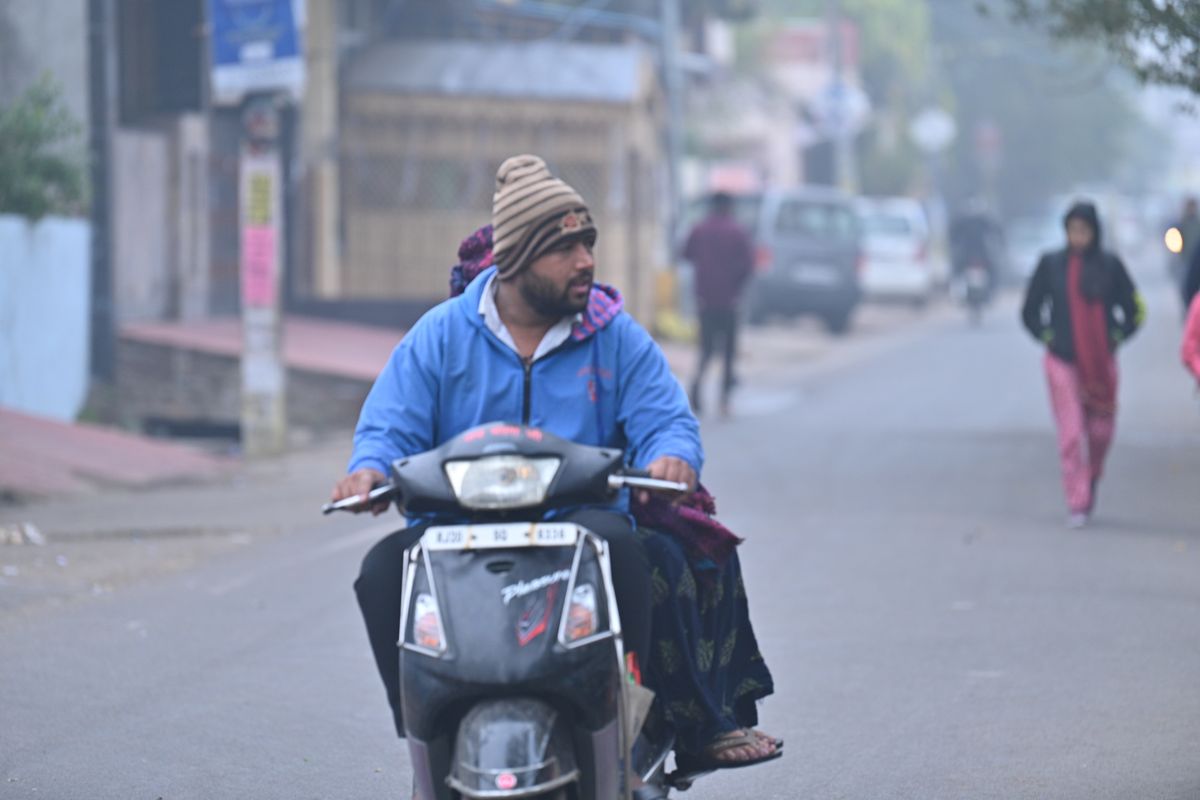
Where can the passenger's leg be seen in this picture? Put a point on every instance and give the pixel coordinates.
(380, 590)
(707, 669)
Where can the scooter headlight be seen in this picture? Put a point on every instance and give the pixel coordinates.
(500, 482)
(582, 619)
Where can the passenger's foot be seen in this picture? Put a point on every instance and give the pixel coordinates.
(768, 738)
(1077, 521)
(740, 748)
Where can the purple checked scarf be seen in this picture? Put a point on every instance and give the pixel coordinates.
(693, 524)
(474, 256)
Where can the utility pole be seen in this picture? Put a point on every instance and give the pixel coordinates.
(844, 168)
(258, 66)
(264, 413)
(673, 84)
(102, 102)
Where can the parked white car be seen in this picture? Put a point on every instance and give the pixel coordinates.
(897, 263)
(1028, 238)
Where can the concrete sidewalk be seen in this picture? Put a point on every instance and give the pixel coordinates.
(42, 456)
(340, 349)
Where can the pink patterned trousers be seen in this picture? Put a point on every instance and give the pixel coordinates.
(1084, 437)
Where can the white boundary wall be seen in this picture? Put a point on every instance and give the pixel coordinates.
(45, 320)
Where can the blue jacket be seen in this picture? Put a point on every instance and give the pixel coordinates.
(608, 386)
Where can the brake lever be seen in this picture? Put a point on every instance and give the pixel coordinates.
(383, 492)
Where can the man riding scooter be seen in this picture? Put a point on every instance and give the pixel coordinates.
(533, 340)
(973, 237)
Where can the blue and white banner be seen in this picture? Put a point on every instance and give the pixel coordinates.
(256, 47)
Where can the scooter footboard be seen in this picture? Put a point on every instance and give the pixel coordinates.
(510, 748)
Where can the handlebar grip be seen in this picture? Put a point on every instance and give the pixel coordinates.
(381, 492)
(617, 482)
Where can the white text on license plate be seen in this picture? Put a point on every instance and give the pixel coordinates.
(490, 537)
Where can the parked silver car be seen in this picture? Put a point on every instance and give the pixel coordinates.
(897, 247)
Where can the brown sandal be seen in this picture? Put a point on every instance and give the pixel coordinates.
(710, 759)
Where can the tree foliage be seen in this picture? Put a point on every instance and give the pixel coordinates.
(1158, 39)
(40, 173)
(1062, 115)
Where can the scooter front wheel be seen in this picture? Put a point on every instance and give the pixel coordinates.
(565, 793)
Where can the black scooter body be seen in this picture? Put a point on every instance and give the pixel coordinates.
(486, 660)
(509, 708)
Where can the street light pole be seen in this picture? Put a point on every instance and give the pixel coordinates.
(844, 168)
(102, 98)
(673, 84)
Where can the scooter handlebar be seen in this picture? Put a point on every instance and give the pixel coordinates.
(384, 492)
(633, 479)
(639, 481)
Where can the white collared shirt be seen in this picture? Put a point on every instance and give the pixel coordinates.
(553, 339)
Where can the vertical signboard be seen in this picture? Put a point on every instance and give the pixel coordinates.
(255, 48)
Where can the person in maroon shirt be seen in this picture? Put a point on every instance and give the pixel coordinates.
(722, 254)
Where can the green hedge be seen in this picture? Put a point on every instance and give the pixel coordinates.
(42, 168)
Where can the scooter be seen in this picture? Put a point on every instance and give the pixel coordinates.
(514, 679)
(976, 290)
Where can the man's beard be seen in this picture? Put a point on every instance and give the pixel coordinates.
(546, 299)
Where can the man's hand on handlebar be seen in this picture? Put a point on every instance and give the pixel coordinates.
(358, 484)
(669, 468)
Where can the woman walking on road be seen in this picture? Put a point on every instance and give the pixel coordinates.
(1191, 340)
(1082, 305)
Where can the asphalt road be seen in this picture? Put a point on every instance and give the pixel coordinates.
(934, 630)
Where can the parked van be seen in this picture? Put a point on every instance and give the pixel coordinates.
(808, 253)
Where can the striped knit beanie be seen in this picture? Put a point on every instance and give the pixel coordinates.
(532, 213)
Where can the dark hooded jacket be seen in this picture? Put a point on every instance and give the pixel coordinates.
(1191, 280)
(1047, 310)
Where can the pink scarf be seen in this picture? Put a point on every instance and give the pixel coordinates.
(1093, 355)
(1191, 340)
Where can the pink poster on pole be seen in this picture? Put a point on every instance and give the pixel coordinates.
(260, 237)
(258, 266)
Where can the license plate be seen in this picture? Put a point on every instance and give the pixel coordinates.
(815, 273)
(493, 537)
